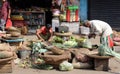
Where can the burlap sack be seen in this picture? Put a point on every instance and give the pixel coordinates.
(55, 60)
(81, 56)
(79, 65)
(24, 30)
(4, 47)
(57, 50)
(13, 29)
(6, 54)
(15, 34)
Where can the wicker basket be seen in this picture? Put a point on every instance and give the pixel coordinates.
(55, 60)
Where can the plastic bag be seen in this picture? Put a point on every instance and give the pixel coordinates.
(8, 23)
(66, 66)
(106, 51)
(87, 44)
(111, 44)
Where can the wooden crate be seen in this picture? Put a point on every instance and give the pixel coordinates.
(6, 66)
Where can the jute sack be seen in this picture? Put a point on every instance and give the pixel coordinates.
(56, 59)
(80, 65)
(4, 47)
(57, 50)
(24, 30)
(54, 49)
(15, 34)
(81, 56)
(6, 54)
(13, 29)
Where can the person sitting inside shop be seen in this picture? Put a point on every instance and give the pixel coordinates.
(45, 33)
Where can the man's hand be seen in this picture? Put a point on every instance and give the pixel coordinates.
(42, 40)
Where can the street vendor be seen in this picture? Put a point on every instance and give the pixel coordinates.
(4, 14)
(45, 33)
(101, 28)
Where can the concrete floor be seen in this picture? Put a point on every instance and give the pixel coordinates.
(114, 65)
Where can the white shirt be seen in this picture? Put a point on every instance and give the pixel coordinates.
(100, 27)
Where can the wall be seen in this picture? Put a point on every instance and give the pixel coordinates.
(83, 10)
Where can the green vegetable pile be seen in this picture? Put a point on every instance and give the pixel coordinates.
(43, 66)
(38, 47)
(57, 39)
(61, 43)
(70, 43)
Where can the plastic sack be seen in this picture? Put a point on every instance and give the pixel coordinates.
(66, 66)
(106, 51)
(111, 44)
(8, 23)
(87, 44)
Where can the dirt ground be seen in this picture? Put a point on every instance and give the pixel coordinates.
(114, 65)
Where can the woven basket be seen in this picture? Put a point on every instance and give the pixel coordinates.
(55, 60)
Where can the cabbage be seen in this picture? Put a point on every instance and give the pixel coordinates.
(57, 39)
(70, 43)
(66, 66)
(38, 47)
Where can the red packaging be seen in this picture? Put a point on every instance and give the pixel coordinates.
(77, 15)
(8, 23)
(68, 15)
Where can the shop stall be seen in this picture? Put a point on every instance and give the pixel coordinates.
(30, 15)
(66, 50)
(66, 13)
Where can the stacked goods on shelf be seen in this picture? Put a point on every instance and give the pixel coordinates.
(18, 20)
(17, 17)
(69, 10)
(72, 14)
